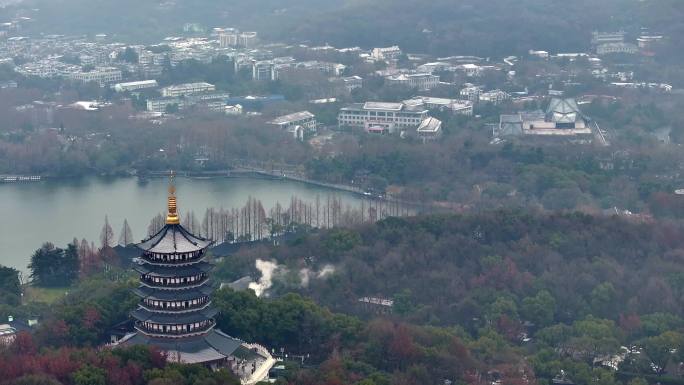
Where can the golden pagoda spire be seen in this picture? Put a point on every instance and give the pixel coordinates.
(172, 215)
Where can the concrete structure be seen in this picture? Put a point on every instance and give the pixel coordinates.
(598, 38)
(352, 82)
(161, 105)
(611, 48)
(471, 92)
(187, 89)
(387, 53)
(299, 123)
(539, 54)
(234, 110)
(470, 69)
(7, 334)
(456, 106)
(430, 129)
(420, 81)
(248, 39)
(494, 97)
(228, 37)
(386, 117)
(100, 75)
(263, 71)
(563, 119)
(134, 86)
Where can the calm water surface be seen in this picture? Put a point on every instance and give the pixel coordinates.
(59, 210)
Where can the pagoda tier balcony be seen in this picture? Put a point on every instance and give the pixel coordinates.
(176, 306)
(174, 331)
(174, 283)
(173, 259)
(157, 295)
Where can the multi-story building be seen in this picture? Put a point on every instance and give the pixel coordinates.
(563, 119)
(387, 53)
(494, 97)
(187, 89)
(299, 123)
(598, 38)
(248, 39)
(101, 75)
(134, 86)
(228, 38)
(163, 104)
(430, 129)
(352, 82)
(456, 106)
(263, 70)
(471, 92)
(421, 81)
(390, 117)
(611, 48)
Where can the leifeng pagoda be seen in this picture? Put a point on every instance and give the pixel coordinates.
(175, 312)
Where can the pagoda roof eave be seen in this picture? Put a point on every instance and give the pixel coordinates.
(173, 239)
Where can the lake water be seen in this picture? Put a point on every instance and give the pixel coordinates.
(59, 210)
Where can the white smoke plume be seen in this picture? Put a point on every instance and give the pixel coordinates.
(306, 274)
(267, 269)
(326, 271)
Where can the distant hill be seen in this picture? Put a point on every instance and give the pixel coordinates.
(442, 27)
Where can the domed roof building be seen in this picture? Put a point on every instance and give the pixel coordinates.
(175, 312)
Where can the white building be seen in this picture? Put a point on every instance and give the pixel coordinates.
(134, 86)
(494, 97)
(430, 129)
(263, 70)
(352, 82)
(379, 116)
(100, 75)
(234, 110)
(563, 119)
(456, 106)
(162, 104)
(471, 92)
(539, 54)
(298, 124)
(187, 89)
(610, 48)
(421, 81)
(470, 69)
(248, 39)
(228, 38)
(7, 334)
(388, 53)
(598, 38)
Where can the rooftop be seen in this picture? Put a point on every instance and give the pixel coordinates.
(174, 239)
(297, 116)
(383, 106)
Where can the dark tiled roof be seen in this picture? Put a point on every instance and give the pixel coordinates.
(174, 239)
(212, 346)
(174, 271)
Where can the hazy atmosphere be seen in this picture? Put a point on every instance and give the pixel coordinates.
(352, 192)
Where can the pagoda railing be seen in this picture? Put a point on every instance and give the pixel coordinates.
(168, 285)
(166, 259)
(176, 309)
(174, 333)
